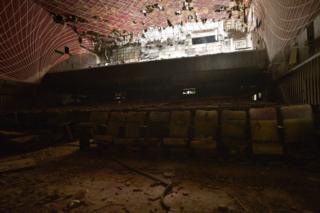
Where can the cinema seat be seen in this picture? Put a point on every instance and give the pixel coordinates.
(133, 129)
(264, 131)
(115, 125)
(157, 128)
(298, 129)
(205, 130)
(298, 123)
(233, 131)
(99, 122)
(179, 130)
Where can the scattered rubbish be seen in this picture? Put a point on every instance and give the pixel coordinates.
(223, 209)
(185, 194)
(167, 184)
(137, 190)
(73, 204)
(81, 194)
(239, 202)
(25, 139)
(15, 165)
(180, 188)
(109, 204)
(125, 210)
(168, 174)
(154, 198)
(155, 184)
(54, 196)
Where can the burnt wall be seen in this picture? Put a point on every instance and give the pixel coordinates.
(218, 75)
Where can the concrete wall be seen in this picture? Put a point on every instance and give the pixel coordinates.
(76, 62)
(193, 71)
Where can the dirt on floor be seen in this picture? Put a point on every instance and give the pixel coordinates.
(66, 180)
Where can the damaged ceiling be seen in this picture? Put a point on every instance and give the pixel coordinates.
(35, 33)
(111, 23)
(279, 21)
(133, 16)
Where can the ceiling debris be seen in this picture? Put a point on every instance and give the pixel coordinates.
(104, 26)
(107, 35)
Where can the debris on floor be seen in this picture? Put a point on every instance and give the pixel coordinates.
(93, 182)
(15, 165)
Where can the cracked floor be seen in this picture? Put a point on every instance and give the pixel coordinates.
(66, 180)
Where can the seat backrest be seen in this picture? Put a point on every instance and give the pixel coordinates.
(233, 125)
(205, 124)
(179, 124)
(264, 124)
(134, 124)
(99, 117)
(56, 118)
(298, 123)
(158, 124)
(116, 122)
(99, 120)
(297, 112)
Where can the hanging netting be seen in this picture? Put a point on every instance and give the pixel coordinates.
(29, 36)
(279, 21)
(28, 40)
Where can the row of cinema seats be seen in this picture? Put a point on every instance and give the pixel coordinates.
(260, 130)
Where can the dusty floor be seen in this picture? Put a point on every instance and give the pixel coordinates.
(66, 180)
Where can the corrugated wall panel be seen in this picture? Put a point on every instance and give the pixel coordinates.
(282, 20)
(302, 84)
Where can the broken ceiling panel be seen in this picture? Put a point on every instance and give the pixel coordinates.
(38, 34)
(30, 41)
(104, 16)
